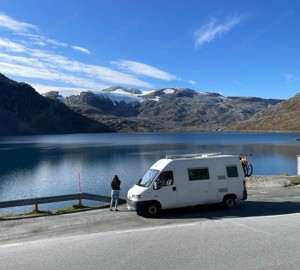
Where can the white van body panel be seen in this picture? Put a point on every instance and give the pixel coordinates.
(225, 176)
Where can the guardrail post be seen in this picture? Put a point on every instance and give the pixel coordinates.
(298, 164)
(36, 208)
(80, 203)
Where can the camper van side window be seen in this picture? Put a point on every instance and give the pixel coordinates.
(198, 174)
(232, 171)
(165, 179)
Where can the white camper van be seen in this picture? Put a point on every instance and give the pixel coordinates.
(188, 180)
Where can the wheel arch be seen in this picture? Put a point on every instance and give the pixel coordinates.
(229, 195)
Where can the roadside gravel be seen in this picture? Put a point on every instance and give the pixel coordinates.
(261, 181)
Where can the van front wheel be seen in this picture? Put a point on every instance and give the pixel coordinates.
(152, 209)
(230, 201)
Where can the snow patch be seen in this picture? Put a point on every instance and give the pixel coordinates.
(146, 92)
(120, 91)
(155, 99)
(169, 91)
(203, 93)
(118, 96)
(63, 91)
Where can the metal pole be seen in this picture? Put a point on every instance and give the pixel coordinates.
(79, 189)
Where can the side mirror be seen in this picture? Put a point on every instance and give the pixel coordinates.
(155, 185)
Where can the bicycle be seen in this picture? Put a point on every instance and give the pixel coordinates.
(247, 167)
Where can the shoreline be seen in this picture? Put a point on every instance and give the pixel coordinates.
(271, 181)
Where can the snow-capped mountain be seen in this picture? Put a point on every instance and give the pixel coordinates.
(119, 109)
(167, 108)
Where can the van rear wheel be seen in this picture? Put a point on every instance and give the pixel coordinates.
(151, 209)
(230, 202)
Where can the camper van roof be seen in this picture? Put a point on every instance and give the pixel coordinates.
(199, 155)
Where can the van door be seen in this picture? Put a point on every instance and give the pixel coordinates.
(202, 186)
(164, 190)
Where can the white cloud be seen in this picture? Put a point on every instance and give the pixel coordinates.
(49, 75)
(43, 41)
(49, 66)
(77, 48)
(32, 55)
(11, 46)
(191, 82)
(291, 78)
(9, 23)
(55, 42)
(21, 60)
(90, 71)
(143, 69)
(26, 71)
(214, 29)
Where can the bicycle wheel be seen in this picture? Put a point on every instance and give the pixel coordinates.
(245, 169)
(249, 169)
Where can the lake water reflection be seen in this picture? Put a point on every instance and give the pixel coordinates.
(37, 166)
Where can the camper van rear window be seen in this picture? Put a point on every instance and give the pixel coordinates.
(232, 171)
(198, 174)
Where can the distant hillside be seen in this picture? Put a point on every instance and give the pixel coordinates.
(23, 111)
(168, 109)
(285, 116)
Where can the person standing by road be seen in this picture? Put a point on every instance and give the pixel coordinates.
(115, 191)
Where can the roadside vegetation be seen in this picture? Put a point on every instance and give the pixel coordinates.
(66, 210)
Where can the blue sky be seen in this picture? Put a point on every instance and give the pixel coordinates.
(235, 48)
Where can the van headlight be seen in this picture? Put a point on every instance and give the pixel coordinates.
(136, 196)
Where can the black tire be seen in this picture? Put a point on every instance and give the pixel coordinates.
(152, 209)
(249, 169)
(230, 202)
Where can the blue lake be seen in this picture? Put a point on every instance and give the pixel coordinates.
(36, 166)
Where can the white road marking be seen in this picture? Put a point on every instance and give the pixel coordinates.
(10, 245)
(158, 227)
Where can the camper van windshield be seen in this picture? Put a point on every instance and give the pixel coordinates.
(148, 178)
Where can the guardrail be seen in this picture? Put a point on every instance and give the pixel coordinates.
(53, 199)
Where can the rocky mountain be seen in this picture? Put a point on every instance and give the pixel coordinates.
(118, 109)
(89, 103)
(284, 116)
(23, 111)
(169, 109)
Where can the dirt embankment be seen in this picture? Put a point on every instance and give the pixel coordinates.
(265, 181)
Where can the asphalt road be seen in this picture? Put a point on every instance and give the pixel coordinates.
(262, 233)
(270, 242)
(261, 202)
